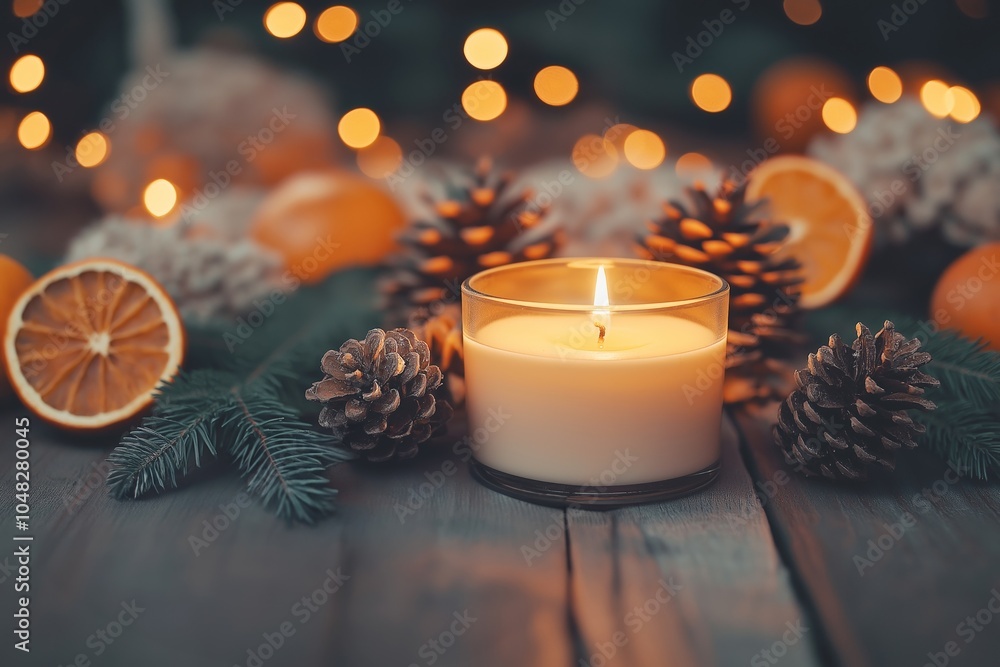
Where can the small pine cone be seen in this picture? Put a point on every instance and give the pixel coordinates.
(379, 395)
(443, 333)
(723, 234)
(478, 224)
(849, 412)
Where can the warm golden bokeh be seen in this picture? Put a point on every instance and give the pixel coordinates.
(594, 156)
(839, 115)
(885, 85)
(359, 127)
(484, 100)
(556, 85)
(644, 149)
(160, 197)
(937, 98)
(617, 134)
(803, 12)
(485, 48)
(974, 9)
(34, 130)
(966, 105)
(692, 166)
(336, 24)
(92, 149)
(380, 159)
(285, 19)
(711, 93)
(27, 73)
(25, 8)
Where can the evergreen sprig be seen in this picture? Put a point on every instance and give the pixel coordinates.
(243, 407)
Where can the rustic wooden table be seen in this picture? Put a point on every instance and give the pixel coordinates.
(423, 566)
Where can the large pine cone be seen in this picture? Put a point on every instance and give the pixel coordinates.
(849, 413)
(725, 235)
(478, 224)
(379, 394)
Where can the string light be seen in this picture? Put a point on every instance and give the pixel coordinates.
(92, 149)
(484, 100)
(644, 149)
(803, 12)
(380, 159)
(710, 92)
(27, 73)
(336, 24)
(885, 85)
(966, 105)
(556, 85)
(839, 115)
(485, 48)
(359, 127)
(34, 130)
(285, 19)
(937, 98)
(160, 197)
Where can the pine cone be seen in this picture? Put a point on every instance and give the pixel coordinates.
(208, 277)
(379, 394)
(724, 235)
(442, 331)
(849, 412)
(477, 225)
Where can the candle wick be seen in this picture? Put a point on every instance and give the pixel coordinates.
(600, 338)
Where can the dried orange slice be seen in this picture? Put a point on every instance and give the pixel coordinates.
(831, 231)
(87, 344)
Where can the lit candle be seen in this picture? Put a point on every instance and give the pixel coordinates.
(603, 400)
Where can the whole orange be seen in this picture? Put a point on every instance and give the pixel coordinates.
(967, 295)
(14, 279)
(324, 221)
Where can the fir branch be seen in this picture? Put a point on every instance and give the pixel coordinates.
(966, 436)
(965, 367)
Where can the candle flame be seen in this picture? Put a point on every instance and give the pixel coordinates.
(602, 316)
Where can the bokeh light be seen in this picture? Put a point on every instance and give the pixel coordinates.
(34, 130)
(692, 166)
(711, 93)
(484, 100)
(885, 85)
(839, 115)
(644, 149)
(617, 134)
(25, 8)
(380, 159)
(556, 85)
(27, 73)
(594, 156)
(335, 24)
(803, 12)
(966, 105)
(485, 48)
(160, 197)
(285, 19)
(92, 149)
(975, 9)
(359, 127)
(937, 98)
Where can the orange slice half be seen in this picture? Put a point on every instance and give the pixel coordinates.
(87, 344)
(830, 229)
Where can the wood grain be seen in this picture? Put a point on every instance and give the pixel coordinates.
(894, 566)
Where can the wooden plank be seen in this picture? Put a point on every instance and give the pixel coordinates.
(408, 584)
(893, 567)
(694, 581)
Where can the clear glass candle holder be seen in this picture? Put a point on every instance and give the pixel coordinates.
(595, 382)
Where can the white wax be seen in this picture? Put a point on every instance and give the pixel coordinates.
(647, 407)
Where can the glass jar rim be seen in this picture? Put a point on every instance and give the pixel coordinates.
(468, 289)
